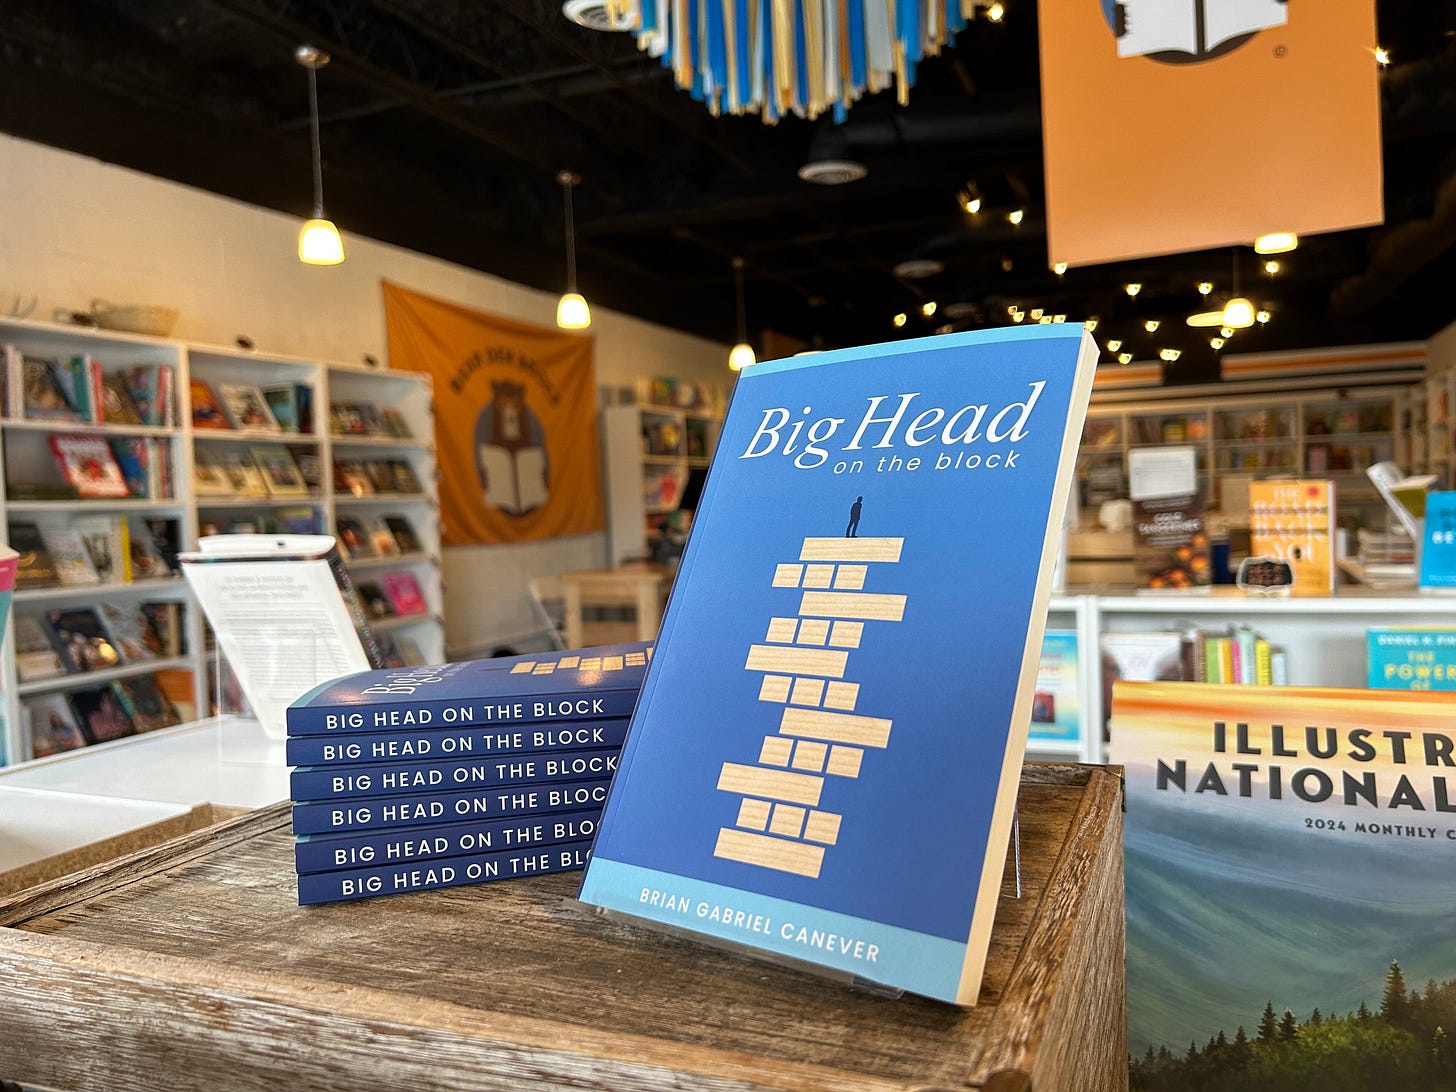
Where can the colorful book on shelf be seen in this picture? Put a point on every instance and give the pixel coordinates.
(150, 387)
(405, 539)
(578, 684)
(106, 538)
(404, 593)
(1285, 851)
(282, 399)
(376, 602)
(151, 547)
(1056, 707)
(382, 538)
(81, 639)
(36, 657)
(164, 618)
(35, 567)
(397, 425)
(71, 556)
(146, 704)
(246, 407)
(117, 405)
(242, 473)
(1294, 520)
(100, 713)
(1171, 549)
(835, 747)
(280, 473)
(207, 409)
(209, 479)
(53, 727)
(354, 538)
(130, 632)
(134, 455)
(43, 393)
(9, 566)
(1437, 570)
(81, 377)
(88, 465)
(1410, 658)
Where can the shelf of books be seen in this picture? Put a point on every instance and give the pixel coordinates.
(119, 451)
(1323, 433)
(656, 462)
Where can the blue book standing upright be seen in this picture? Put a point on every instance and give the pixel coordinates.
(1438, 543)
(824, 761)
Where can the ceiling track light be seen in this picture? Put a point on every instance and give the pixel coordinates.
(1132, 288)
(319, 242)
(572, 310)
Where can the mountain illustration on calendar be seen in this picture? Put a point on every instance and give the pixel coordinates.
(824, 759)
(1188, 31)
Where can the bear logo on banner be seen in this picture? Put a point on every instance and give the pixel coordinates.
(510, 451)
(1188, 31)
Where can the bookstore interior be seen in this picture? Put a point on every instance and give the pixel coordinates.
(432, 658)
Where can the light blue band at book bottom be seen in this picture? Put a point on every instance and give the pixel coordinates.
(886, 954)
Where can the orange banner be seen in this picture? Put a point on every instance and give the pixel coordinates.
(515, 419)
(1177, 125)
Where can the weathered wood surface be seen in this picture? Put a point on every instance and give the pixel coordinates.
(190, 966)
(63, 864)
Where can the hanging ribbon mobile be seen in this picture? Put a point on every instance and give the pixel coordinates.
(801, 57)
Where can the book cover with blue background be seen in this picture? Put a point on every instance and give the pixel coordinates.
(1438, 543)
(1410, 658)
(1056, 711)
(824, 760)
(583, 683)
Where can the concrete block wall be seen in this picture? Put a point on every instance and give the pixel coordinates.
(76, 229)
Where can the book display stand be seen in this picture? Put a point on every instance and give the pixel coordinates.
(285, 614)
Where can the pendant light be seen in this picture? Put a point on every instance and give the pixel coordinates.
(318, 240)
(742, 355)
(572, 312)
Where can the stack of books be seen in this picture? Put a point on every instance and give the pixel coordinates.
(416, 778)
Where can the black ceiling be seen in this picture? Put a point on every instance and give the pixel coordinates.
(445, 123)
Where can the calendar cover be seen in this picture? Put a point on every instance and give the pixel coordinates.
(824, 760)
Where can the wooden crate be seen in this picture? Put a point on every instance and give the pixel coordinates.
(190, 966)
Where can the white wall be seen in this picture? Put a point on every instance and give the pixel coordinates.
(75, 229)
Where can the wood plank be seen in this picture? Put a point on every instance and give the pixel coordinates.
(190, 965)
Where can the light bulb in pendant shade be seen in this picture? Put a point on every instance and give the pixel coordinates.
(1060, 268)
(1151, 326)
(1015, 216)
(319, 243)
(1271, 267)
(741, 357)
(901, 318)
(1091, 324)
(1276, 242)
(996, 11)
(318, 240)
(927, 308)
(1113, 344)
(1205, 287)
(1124, 358)
(1170, 355)
(573, 312)
(1216, 342)
(1262, 317)
(1225, 332)
(1036, 314)
(1132, 288)
(1238, 313)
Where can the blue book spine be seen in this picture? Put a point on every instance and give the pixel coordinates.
(366, 747)
(454, 713)
(511, 864)
(357, 782)
(422, 809)
(332, 852)
(578, 684)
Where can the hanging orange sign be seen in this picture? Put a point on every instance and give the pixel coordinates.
(515, 419)
(1178, 125)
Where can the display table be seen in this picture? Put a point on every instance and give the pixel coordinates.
(189, 966)
(72, 810)
(642, 589)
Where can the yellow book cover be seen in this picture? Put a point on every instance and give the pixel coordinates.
(1294, 521)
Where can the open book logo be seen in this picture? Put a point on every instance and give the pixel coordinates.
(1189, 31)
(510, 451)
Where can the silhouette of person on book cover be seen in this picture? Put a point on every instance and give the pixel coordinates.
(852, 531)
